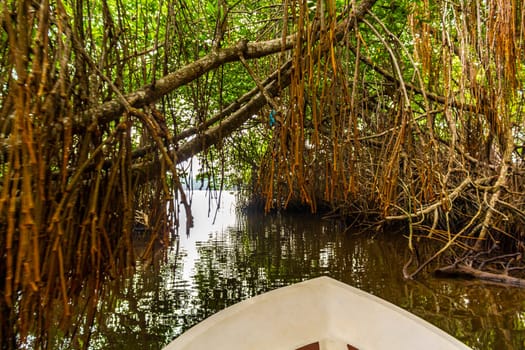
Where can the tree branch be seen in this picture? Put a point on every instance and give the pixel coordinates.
(150, 93)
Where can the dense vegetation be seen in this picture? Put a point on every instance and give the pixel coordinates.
(380, 111)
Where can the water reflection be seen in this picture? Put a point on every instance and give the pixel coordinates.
(245, 254)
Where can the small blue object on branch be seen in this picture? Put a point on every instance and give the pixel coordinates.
(272, 117)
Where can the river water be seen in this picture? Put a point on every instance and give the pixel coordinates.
(231, 255)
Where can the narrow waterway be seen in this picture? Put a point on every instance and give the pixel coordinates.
(232, 255)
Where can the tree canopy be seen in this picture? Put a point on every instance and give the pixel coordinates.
(380, 111)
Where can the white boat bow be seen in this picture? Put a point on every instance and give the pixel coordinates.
(320, 313)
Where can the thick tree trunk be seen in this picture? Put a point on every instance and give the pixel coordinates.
(150, 93)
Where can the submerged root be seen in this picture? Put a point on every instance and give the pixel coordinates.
(507, 269)
(465, 271)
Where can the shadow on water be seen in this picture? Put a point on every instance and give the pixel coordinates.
(245, 254)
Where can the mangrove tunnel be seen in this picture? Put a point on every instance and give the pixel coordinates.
(384, 114)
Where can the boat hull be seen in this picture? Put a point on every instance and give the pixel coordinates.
(320, 313)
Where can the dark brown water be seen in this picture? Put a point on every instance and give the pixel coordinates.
(244, 254)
